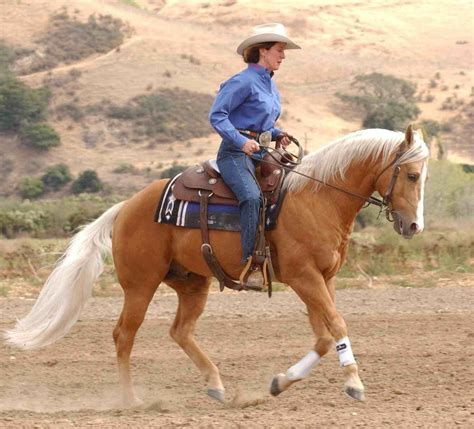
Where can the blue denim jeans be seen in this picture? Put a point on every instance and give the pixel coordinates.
(238, 172)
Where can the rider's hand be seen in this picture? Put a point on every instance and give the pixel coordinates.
(283, 139)
(250, 146)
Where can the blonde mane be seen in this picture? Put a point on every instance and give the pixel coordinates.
(331, 161)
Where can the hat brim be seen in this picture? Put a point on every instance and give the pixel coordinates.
(263, 38)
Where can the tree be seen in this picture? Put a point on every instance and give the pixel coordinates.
(88, 181)
(56, 177)
(40, 136)
(20, 105)
(386, 101)
(30, 187)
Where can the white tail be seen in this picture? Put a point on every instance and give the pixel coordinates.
(68, 287)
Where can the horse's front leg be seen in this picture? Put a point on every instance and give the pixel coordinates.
(328, 325)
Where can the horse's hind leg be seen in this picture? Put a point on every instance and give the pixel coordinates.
(134, 308)
(192, 295)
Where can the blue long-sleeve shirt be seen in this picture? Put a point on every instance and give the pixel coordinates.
(249, 101)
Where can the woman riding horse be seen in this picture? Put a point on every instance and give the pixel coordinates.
(309, 246)
(247, 105)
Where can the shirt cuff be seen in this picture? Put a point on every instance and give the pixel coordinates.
(240, 140)
(275, 133)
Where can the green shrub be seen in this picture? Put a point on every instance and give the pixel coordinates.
(40, 136)
(165, 115)
(56, 177)
(88, 181)
(132, 3)
(31, 188)
(20, 104)
(68, 40)
(172, 171)
(391, 116)
(51, 218)
(126, 168)
(9, 55)
(71, 110)
(430, 129)
(382, 251)
(17, 222)
(385, 100)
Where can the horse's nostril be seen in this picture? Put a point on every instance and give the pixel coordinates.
(414, 226)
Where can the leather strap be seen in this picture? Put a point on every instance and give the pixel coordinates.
(206, 249)
(249, 133)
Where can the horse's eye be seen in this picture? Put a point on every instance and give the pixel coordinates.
(413, 177)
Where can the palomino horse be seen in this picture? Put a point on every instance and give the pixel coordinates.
(308, 247)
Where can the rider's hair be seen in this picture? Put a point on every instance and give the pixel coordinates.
(252, 53)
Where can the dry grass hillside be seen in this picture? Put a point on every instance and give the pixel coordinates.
(189, 46)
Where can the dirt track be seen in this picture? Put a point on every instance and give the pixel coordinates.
(414, 346)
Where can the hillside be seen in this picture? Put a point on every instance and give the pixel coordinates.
(189, 46)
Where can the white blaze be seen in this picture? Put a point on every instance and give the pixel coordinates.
(420, 208)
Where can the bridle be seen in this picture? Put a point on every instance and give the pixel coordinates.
(384, 204)
(387, 198)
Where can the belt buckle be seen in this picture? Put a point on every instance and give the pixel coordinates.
(265, 138)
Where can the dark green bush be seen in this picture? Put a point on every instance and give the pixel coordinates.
(165, 115)
(385, 100)
(391, 116)
(172, 171)
(31, 188)
(88, 181)
(56, 177)
(20, 104)
(126, 168)
(40, 136)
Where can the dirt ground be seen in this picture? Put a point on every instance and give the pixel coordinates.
(415, 348)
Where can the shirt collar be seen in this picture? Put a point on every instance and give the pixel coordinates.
(262, 71)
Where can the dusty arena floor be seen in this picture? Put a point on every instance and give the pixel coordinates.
(414, 346)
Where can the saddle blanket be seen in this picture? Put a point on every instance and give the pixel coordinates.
(220, 216)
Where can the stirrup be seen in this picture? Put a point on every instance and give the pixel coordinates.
(249, 269)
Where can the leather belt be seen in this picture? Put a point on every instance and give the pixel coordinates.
(264, 137)
(249, 133)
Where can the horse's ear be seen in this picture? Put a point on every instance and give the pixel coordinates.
(409, 135)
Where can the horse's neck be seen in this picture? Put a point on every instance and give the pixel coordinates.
(335, 208)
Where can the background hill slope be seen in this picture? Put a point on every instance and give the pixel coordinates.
(188, 47)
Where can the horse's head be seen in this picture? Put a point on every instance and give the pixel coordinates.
(402, 184)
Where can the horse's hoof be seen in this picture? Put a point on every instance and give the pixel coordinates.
(217, 394)
(275, 386)
(355, 393)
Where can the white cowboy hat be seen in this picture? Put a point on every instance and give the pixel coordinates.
(272, 32)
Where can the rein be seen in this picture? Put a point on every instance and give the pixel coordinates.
(384, 203)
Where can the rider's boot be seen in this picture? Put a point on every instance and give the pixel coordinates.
(252, 276)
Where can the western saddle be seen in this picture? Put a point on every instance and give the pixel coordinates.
(203, 184)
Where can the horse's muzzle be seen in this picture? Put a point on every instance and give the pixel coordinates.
(404, 227)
